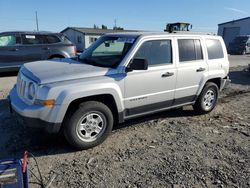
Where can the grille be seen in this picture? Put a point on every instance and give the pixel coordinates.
(22, 87)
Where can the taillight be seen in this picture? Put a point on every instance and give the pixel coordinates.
(75, 51)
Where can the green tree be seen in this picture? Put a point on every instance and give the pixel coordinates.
(118, 28)
(104, 27)
(96, 26)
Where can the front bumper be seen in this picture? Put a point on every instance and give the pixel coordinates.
(31, 115)
(37, 123)
(224, 83)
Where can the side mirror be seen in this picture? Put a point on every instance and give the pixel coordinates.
(107, 44)
(137, 64)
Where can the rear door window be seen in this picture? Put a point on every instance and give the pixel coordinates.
(214, 49)
(190, 50)
(198, 49)
(33, 39)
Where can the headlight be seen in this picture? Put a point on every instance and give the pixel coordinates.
(31, 91)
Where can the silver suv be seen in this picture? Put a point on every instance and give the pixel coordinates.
(119, 77)
(17, 48)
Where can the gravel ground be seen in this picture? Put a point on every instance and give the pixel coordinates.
(171, 149)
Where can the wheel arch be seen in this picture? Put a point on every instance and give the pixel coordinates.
(106, 99)
(56, 56)
(216, 80)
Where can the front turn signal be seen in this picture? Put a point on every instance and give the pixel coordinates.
(49, 102)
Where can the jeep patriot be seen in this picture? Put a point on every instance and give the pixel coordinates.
(119, 77)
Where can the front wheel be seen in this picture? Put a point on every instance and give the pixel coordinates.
(208, 98)
(89, 126)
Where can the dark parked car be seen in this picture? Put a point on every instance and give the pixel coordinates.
(17, 48)
(240, 45)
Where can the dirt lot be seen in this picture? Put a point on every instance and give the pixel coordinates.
(171, 149)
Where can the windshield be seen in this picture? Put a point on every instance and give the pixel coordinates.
(107, 51)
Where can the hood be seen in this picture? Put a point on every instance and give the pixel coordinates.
(44, 72)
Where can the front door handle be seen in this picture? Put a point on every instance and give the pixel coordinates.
(46, 48)
(167, 74)
(201, 69)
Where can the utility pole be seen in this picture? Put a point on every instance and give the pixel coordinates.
(37, 27)
(115, 23)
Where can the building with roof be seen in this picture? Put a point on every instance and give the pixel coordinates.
(229, 30)
(83, 37)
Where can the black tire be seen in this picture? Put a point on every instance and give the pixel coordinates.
(200, 106)
(75, 137)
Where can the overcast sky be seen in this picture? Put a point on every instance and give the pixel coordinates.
(55, 15)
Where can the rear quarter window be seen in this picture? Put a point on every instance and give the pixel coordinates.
(51, 39)
(214, 49)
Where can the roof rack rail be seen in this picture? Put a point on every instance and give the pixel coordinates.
(191, 32)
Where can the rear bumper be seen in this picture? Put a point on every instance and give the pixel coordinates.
(224, 83)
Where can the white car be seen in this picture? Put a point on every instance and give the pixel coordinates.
(120, 77)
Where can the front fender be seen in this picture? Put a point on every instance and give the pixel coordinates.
(73, 93)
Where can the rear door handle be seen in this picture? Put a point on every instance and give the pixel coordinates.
(201, 69)
(167, 74)
(46, 48)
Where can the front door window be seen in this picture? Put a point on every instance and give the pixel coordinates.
(8, 40)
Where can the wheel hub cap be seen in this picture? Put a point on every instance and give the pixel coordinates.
(91, 126)
(209, 99)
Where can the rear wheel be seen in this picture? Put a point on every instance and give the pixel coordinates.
(89, 126)
(208, 98)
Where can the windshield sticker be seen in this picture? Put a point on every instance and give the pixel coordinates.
(30, 36)
(126, 40)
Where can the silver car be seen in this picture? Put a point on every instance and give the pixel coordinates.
(120, 77)
(17, 48)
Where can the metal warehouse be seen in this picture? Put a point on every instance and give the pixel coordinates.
(83, 37)
(229, 30)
